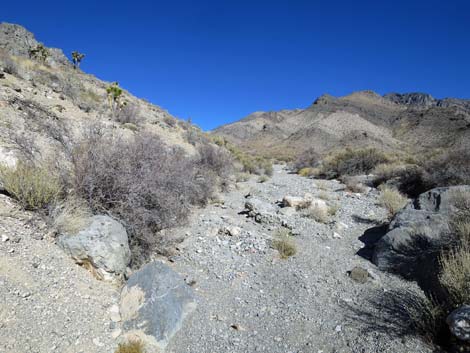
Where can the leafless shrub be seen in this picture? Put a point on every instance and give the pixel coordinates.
(24, 144)
(215, 158)
(145, 183)
(451, 168)
(307, 159)
(128, 114)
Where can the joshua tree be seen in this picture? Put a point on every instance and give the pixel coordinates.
(114, 97)
(40, 53)
(77, 57)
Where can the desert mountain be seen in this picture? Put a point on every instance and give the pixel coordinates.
(393, 121)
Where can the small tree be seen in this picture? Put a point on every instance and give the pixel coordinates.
(77, 57)
(40, 52)
(114, 97)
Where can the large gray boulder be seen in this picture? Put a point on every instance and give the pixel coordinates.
(154, 303)
(103, 245)
(459, 323)
(416, 236)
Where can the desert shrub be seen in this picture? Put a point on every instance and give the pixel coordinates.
(319, 214)
(9, 66)
(170, 121)
(263, 179)
(128, 114)
(215, 158)
(307, 159)
(446, 169)
(133, 346)
(352, 185)
(34, 187)
(352, 162)
(70, 216)
(248, 163)
(284, 243)
(392, 200)
(145, 183)
(39, 52)
(407, 178)
(455, 275)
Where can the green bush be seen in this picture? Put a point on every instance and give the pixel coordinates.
(34, 187)
(353, 162)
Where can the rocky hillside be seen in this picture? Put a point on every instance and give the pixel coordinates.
(50, 102)
(394, 121)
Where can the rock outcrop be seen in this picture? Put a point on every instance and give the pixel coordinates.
(154, 303)
(17, 40)
(103, 245)
(416, 236)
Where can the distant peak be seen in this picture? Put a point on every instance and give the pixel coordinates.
(324, 99)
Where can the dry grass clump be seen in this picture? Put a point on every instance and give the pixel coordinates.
(319, 214)
(460, 221)
(353, 162)
(353, 186)
(392, 200)
(35, 187)
(455, 275)
(134, 346)
(284, 243)
(70, 216)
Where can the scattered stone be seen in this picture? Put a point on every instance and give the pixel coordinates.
(5, 237)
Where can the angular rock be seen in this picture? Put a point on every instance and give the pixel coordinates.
(459, 323)
(103, 244)
(359, 274)
(261, 211)
(154, 304)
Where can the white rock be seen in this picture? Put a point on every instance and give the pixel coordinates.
(5, 237)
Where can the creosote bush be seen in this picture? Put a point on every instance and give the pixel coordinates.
(33, 186)
(148, 185)
(392, 200)
(352, 162)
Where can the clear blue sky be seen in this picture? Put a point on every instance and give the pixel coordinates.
(217, 61)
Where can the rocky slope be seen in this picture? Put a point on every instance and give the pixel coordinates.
(51, 103)
(394, 121)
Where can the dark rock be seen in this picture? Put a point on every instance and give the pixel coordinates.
(459, 323)
(416, 236)
(2, 75)
(154, 303)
